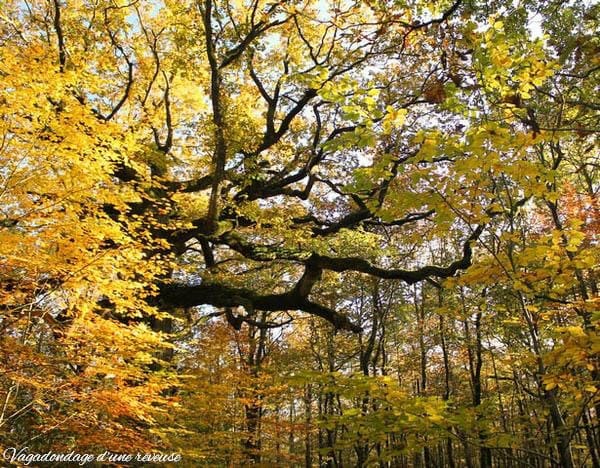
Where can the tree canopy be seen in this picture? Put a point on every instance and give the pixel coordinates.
(301, 232)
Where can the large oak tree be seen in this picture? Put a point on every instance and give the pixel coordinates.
(157, 158)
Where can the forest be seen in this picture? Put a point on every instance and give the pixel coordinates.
(300, 233)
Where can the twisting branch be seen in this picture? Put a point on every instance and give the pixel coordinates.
(62, 53)
(166, 146)
(259, 28)
(153, 44)
(220, 295)
(129, 83)
(224, 296)
(264, 253)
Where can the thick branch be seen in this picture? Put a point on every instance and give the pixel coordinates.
(297, 298)
(264, 253)
(409, 276)
(225, 296)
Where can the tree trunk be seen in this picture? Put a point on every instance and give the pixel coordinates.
(308, 422)
(447, 376)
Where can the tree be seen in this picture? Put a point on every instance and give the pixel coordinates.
(394, 168)
(73, 278)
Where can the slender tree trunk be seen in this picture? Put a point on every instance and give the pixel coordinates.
(329, 409)
(485, 453)
(308, 422)
(253, 410)
(474, 352)
(563, 435)
(589, 436)
(447, 376)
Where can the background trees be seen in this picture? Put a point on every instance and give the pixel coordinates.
(342, 233)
